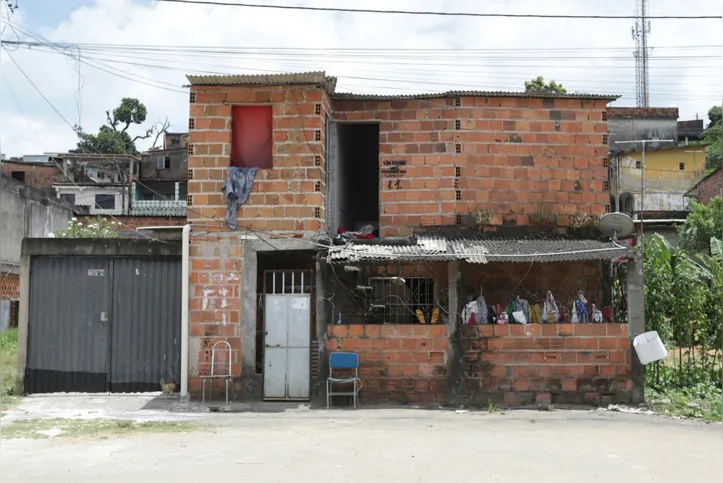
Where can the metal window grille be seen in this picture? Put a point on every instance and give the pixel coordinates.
(396, 300)
(287, 282)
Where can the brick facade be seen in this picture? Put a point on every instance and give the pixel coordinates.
(9, 286)
(515, 157)
(543, 364)
(711, 187)
(35, 175)
(518, 157)
(397, 363)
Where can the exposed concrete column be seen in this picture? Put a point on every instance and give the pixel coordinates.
(318, 387)
(23, 324)
(453, 276)
(250, 381)
(636, 323)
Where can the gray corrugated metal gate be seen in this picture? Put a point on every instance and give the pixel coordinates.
(100, 324)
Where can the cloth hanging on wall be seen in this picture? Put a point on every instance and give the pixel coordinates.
(237, 188)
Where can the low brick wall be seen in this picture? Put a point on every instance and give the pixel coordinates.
(543, 364)
(397, 363)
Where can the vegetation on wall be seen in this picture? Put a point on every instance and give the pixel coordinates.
(713, 139)
(97, 228)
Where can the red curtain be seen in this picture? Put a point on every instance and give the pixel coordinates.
(251, 143)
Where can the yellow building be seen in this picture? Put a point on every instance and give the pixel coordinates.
(670, 171)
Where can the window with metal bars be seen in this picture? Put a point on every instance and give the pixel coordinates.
(396, 300)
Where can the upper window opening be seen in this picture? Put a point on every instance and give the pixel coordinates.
(18, 176)
(251, 143)
(655, 134)
(105, 202)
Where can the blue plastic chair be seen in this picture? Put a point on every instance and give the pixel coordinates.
(346, 361)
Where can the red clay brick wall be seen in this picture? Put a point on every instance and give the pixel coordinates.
(518, 156)
(502, 281)
(34, 175)
(544, 364)
(711, 187)
(397, 363)
(215, 305)
(9, 286)
(287, 198)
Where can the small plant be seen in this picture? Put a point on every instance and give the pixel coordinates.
(582, 219)
(482, 218)
(97, 228)
(491, 407)
(543, 217)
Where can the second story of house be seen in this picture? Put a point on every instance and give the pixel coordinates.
(331, 161)
(640, 123)
(169, 162)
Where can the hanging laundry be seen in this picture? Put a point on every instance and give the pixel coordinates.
(608, 313)
(524, 306)
(597, 316)
(237, 188)
(482, 304)
(535, 314)
(550, 311)
(469, 314)
(580, 310)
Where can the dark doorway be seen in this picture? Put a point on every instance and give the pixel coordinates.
(357, 176)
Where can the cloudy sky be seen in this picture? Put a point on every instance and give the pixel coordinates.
(143, 48)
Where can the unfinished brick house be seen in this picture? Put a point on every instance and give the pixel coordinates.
(374, 220)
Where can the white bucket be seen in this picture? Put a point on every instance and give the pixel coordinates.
(649, 347)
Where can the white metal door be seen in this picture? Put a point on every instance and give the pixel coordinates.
(287, 319)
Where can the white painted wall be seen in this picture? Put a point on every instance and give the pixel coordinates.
(85, 195)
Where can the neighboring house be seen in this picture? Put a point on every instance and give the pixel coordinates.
(708, 187)
(450, 188)
(639, 123)
(162, 186)
(31, 171)
(689, 132)
(670, 171)
(24, 212)
(99, 181)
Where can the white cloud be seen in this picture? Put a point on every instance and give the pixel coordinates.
(673, 81)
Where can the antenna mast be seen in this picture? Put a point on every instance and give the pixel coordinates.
(640, 35)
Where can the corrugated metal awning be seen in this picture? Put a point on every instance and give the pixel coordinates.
(471, 250)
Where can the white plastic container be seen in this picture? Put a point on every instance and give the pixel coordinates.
(649, 347)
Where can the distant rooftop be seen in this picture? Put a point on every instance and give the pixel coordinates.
(641, 112)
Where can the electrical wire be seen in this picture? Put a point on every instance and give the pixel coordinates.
(444, 14)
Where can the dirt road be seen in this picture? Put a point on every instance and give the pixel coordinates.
(386, 445)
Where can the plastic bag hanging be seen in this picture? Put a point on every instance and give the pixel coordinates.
(579, 310)
(550, 311)
(482, 305)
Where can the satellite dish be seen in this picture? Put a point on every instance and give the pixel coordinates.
(616, 225)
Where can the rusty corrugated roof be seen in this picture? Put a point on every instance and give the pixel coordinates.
(478, 250)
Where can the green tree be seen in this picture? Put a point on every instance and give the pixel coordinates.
(539, 85)
(703, 223)
(113, 137)
(713, 139)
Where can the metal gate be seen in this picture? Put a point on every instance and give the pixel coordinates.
(103, 324)
(287, 319)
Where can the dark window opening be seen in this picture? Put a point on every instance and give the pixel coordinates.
(681, 166)
(164, 162)
(251, 143)
(68, 198)
(175, 142)
(357, 175)
(280, 272)
(18, 176)
(105, 202)
(638, 164)
(400, 300)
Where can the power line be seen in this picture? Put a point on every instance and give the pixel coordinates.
(443, 14)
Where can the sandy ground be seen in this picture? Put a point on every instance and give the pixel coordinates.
(269, 443)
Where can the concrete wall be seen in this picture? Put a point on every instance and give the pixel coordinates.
(665, 183)
(26, 212)
(85, 196)
(178, 169)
